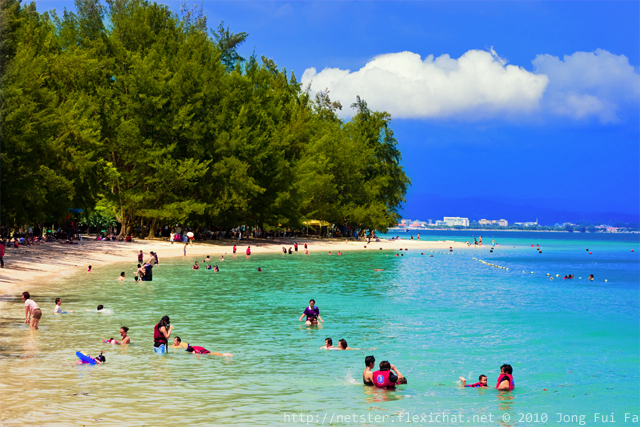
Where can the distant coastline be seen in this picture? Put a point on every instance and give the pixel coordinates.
(406, 230)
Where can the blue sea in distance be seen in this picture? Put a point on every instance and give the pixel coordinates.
(574, 344)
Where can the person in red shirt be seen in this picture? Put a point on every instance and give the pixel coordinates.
(201, 350)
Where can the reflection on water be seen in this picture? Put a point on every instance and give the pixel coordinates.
(434, 318)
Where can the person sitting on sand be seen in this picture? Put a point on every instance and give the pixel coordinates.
(342, 345)
(177, 343)
(313, 314)
(201, 350)
(32, 312)
(482, 382)
(328, 345)
(196, 266)
(387, 377)
(367, 374)
(121, 277)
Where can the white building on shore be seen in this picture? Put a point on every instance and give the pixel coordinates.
(452, 221)
(499, 222)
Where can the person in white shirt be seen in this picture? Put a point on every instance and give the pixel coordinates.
(32, 312)
(58, 309)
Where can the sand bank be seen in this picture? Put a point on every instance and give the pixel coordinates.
(30, 266)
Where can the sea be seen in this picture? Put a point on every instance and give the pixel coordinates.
(436, 314)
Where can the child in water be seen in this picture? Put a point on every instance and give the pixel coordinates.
(99, 360)
(482, 382)
(201, 350)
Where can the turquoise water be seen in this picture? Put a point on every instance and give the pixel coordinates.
(436, 318)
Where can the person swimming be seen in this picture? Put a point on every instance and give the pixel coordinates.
(97, 360)
(259, 270)
(196, 266)
(177, 343)
(342, 345)
(122, 278)
(209, 267)
(207, 259)
(328, 344)
(367, 374)
(482, 382)
(201, 350)
(124, 338)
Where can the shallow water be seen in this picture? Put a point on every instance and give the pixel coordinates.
(436, 318)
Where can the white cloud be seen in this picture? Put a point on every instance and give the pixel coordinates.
(481, 84)
(589, 84)
(478, 82)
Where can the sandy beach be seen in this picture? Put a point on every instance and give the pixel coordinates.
(30, 266)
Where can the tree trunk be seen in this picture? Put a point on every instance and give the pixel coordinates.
(152, 233)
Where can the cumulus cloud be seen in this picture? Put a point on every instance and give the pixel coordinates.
(589, 84)
(480, 83)
(407, 86)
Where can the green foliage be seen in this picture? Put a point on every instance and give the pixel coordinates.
(137, 115)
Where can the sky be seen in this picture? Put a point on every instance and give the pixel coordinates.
(514, 109)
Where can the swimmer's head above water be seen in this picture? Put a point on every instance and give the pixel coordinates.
(100, 307)
(328, 342)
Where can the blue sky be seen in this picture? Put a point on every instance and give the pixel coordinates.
(532, 104)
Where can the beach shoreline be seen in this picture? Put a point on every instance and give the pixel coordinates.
(33, 266)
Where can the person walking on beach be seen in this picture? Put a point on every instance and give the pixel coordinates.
(32, 312)
(161, 334)
(140, 257)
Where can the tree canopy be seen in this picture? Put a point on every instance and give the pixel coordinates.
(127, 109)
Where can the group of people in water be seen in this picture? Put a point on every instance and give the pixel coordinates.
(387, 376)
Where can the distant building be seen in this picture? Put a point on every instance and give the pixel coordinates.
(526, 224)
(499, 222)
(452, 221)
(441, 223)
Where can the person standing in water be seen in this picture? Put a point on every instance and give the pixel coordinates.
(32, 312)
(161, 334)
(387, 376)
(248, 250)
(367, 374)
(313, 314)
